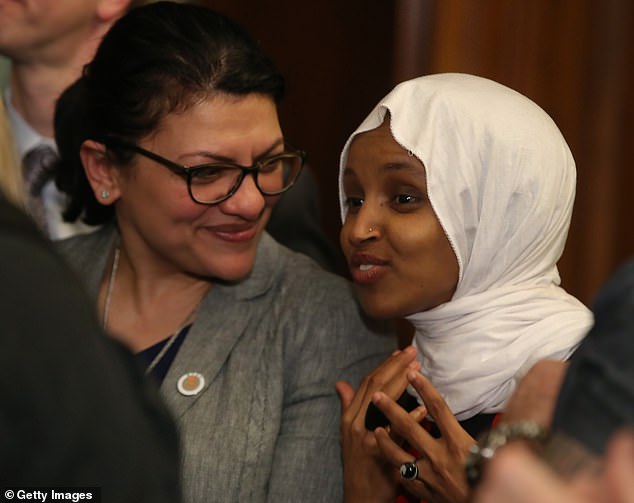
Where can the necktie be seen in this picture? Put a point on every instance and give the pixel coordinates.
(37, 171)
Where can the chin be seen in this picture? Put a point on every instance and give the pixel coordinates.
(376, 307)
(234, 275)
(235, 271)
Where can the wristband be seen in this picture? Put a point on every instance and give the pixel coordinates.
(499, 436)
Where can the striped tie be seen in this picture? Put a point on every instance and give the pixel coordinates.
(37, 167)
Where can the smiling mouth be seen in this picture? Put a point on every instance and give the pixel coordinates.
(234, 234)
(367, 274)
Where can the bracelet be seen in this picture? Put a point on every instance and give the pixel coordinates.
(499, 436)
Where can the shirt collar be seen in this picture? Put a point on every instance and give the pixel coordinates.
(25, 136)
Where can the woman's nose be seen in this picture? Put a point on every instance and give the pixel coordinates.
(247, 202)
(361, 227)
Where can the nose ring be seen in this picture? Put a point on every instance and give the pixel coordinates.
(371, 229)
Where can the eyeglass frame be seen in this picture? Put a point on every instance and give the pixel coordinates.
(187, 172)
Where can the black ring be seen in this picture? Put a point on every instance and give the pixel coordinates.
(409, 470)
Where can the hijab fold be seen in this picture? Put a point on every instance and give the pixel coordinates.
(501, 180)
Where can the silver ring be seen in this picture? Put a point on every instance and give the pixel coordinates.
(409, 470)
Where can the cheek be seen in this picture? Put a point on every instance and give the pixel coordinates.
(432, 260)
(343, 239)
(186, 209)
(163, 195)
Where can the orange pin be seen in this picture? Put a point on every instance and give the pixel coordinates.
(191, 383)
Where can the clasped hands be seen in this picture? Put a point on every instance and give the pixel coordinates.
(371, 459)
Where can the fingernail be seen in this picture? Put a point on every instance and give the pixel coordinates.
(376, 397)
(396, 352)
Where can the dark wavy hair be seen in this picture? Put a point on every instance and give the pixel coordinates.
(157, 59)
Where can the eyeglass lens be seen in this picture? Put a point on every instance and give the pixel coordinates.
(214, 182)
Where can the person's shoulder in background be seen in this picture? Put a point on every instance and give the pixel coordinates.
(595, 399)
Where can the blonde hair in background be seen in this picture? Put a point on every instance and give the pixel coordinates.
(10, 175)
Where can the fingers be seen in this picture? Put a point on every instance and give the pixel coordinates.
(404, 425)
(418, 414)
(619, 467)
(346, 394)
(515, 475)
(390, 377)
(397, 456)
(419, 489)
(438, 409)
(392, 452)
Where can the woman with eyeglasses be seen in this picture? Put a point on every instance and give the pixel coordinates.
(171, 140)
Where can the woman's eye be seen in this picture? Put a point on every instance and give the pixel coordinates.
(405, 199)
(353, 203)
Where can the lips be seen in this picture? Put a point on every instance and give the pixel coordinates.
(366, 269)
(233, 233)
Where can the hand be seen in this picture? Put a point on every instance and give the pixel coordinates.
(367, 477)
(515, 474)
(441, 463)
(619, 467)
(536, 394)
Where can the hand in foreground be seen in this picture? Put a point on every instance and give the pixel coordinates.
(367, 477)
(515, 474)
(441, 475)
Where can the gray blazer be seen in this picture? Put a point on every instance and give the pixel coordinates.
(265, 427)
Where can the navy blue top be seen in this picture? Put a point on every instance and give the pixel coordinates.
(146, 356)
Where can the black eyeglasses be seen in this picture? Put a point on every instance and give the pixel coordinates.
(216, 182)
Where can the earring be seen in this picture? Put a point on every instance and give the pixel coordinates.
(105, 194)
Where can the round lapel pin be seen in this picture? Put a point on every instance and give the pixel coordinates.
(191, 383)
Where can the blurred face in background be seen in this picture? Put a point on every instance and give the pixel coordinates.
(46, 30)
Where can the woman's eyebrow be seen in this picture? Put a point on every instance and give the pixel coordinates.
(401, 166)
(223, 158)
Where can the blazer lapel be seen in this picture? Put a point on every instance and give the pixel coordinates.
(222, 318)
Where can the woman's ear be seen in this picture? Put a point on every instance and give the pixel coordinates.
(109, 10)
(101, 172)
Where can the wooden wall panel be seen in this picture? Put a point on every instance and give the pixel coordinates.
(575, 58)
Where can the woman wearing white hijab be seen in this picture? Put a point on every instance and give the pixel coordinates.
(456, 197)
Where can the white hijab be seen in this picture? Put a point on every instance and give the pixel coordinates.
(501, 180)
